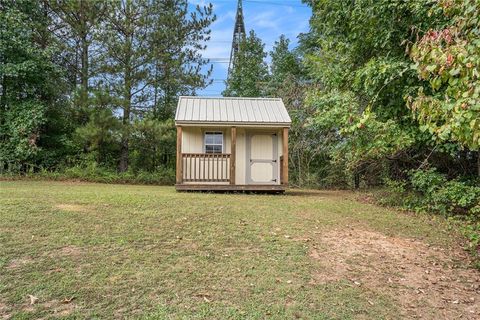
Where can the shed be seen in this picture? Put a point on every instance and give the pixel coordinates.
(232, 144)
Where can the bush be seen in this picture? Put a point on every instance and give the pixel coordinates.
(430, 191)
(394, 194)
(437, 194)
(91, 172)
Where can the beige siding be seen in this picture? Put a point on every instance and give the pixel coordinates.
(241, 156)
(193, 139)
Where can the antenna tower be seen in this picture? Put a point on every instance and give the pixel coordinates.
(238, 36)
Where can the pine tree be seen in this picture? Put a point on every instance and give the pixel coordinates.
(285, 65)
(249, 75)
(177, 39)
(152, 55)
(77, 23)
(126, 61)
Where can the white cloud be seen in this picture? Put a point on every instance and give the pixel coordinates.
(268, 21)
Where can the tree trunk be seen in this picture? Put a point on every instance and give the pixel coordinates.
(357, 179)
(83, 57)
(3, 100)
(123, 167)
(127, 94)
(124, 148)
(84, 74)
(155, 95)
(478, 163)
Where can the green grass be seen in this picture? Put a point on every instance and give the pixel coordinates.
(124, 251)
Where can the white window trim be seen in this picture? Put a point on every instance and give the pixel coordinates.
(213, 144)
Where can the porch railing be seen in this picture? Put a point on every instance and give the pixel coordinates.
(206, 167)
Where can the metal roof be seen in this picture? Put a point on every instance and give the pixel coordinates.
(227, 111)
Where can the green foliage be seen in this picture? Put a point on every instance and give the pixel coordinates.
(153, 145)
(354, 139)
(471, 231)
(177, 38)
(448, 59)
(94, 173)
(354, 52)
(27, 83)
(432, 192)
(86, 83)
(90, 171)
(250, 72)
(20, 131)
(447, 197)
(100, 136)
(285, 66)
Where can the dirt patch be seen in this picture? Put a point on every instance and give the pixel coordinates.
(18, 263)
(60, 308)
(71, 207)
(55, 308)
(4, 311)
(427, 282)
(67, 251)
(366, 199)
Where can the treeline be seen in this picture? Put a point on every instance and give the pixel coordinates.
(381, 94)
(94, 83)
(377, 90)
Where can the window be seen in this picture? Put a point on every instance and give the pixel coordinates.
(213, 142)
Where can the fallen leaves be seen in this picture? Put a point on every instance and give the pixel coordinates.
(33, 299)
(68, 300)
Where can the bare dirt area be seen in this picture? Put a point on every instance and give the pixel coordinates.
(55, 308)
(426, 282)
(72, 207)
(66, 251)
(3, 311)
(19, 263)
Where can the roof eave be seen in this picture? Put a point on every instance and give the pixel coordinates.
(233, 124)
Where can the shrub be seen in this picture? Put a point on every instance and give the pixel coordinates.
(437, 194)
(431, 191)
(91, 172)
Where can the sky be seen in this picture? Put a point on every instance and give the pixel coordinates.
(269, 19)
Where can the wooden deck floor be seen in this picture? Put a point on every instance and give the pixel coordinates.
(231, 188)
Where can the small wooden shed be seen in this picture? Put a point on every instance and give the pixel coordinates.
(232, 144)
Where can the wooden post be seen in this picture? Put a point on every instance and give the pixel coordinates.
(233, 156)
(285, 157)
(179, 156)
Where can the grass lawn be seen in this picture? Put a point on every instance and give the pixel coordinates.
(120, 251)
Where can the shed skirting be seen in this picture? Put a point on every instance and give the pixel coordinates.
(229, 187)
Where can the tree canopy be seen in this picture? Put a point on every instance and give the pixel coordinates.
(250, 72)
(80, 80)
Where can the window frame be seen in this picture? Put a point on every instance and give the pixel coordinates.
(213, 132)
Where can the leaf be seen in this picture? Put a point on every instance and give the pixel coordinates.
(68, 300)
(33, 299)
(454, 72)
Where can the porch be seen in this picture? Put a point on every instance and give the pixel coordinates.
(202, 171)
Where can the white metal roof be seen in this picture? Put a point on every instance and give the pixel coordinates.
(227, 111)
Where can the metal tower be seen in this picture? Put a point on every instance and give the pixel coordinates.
(238, 36)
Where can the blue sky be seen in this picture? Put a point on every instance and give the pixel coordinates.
(269, 19)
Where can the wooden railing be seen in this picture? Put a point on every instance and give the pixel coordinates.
(206, 167)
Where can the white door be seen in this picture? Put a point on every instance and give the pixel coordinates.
(262, 158)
